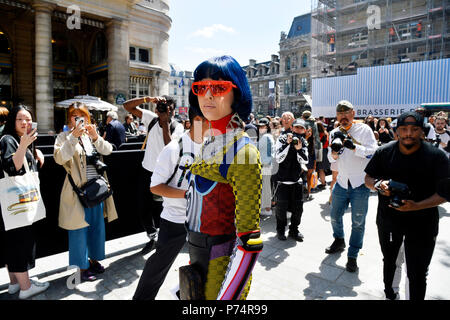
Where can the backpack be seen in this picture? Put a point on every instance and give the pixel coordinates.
(152, 123)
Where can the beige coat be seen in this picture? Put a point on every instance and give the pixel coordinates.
(69, 153)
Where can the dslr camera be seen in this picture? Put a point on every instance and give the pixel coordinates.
(295, 141)
(94, 159)
(337, 144)
(399, 191)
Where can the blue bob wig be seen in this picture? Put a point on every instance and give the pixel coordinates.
(228, 69)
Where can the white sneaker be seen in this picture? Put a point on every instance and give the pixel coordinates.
(266, 213)
(36, 288)
(13, 288)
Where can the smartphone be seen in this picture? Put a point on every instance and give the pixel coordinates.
(33, 125)
(79, 120)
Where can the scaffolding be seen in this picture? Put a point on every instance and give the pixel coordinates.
(348, 34)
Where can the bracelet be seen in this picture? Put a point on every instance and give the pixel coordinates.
(145, 99)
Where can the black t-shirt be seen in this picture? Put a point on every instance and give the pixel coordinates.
(8, 147)
(421, 171)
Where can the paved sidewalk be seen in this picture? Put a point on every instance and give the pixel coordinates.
(285, 270)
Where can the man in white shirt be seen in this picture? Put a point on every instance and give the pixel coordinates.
(161, 129)
(358, 144)
(443, 134)
(170, 181)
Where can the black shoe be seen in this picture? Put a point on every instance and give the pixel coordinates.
(337, 246)
(281, 236)
(351, 265)
(321, 186)
(148, 247)
(297, 237)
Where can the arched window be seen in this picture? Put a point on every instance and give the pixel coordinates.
(305, 60)
(288, 63)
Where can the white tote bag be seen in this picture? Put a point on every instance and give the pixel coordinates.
(20, 199)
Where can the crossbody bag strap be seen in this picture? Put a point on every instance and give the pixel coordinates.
(180, 144)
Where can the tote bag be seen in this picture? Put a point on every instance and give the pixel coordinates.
(20, 199)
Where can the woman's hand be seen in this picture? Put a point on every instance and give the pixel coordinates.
(39, 157)
(78, 130)
(92, 132)
(28, 138)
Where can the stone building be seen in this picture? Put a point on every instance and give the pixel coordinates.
(54, 50)
(280, 84)
(295, 79)
(180, 82)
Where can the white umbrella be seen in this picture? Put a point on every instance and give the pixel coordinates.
(93, 103)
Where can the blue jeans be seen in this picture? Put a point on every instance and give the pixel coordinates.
(88, 242)
(359, 200)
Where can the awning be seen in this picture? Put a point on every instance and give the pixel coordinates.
(93, 103)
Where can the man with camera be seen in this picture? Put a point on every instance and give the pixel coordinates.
(406, 174)
(442, 134)
(291, 151)
(352, 145)
(161, 129)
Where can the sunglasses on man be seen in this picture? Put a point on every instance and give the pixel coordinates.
(217, 88)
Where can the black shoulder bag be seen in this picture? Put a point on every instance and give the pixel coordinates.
(93, 192)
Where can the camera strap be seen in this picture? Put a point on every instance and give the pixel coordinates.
(152, 124)
(347, 134)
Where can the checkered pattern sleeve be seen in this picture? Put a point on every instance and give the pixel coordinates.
(245, 178)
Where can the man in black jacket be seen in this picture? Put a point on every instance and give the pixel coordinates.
(291, 152)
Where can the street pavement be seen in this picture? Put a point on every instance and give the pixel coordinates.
(286, 270)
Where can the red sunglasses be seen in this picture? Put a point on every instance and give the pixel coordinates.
(217, 88)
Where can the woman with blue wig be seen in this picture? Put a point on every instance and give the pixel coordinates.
(224, 195)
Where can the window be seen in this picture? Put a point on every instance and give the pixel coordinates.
(143, 55)
(304, 85)
(140, 54)
(175, 91)
(138, 90)
(288, 63)
(305, 60)
(175, 82)
(287, 86)
(99, 51)
(260, 90)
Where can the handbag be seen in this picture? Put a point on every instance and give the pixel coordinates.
(20, 199)
(191, 284)
(93, 192)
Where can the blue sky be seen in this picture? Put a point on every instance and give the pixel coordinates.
(244, 29)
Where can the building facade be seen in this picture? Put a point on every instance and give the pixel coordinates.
(281, 84)
(54, 50)
(263, 81)
(295, 79)
(180, 83)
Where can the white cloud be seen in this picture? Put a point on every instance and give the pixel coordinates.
(209, 32)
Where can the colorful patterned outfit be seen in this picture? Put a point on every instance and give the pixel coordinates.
(224, 202)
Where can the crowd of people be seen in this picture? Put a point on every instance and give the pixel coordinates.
(206, 182)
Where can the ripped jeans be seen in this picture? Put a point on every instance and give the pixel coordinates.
(359, 200)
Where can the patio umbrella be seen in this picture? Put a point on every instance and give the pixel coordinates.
(93, 103)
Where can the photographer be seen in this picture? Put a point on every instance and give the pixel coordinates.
(291, 152)
(442, 134)
(406, 174)
(351, 146)
(78, 151)
(161, 129)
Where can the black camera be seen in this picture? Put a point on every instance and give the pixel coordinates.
(295, 141)
(399, 191)
(162, 107)
(94, 159)
(337, 144)
(438, 140)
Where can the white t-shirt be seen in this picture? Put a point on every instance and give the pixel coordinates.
(155, 140)
(445, 138)
(174, 209)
